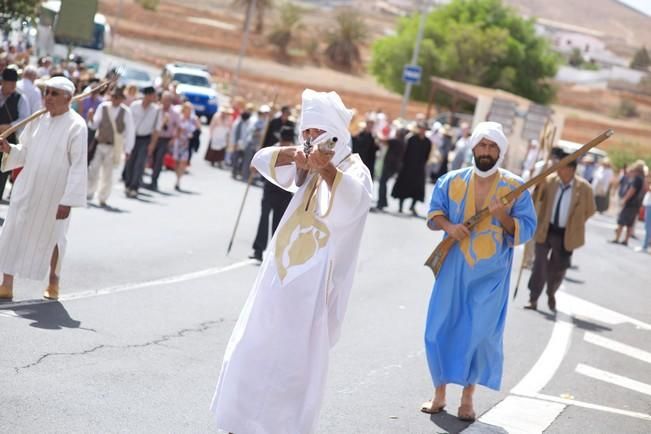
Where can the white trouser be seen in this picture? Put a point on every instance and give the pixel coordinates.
(101, 170)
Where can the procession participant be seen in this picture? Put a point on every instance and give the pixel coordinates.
(467, 310)
(566, 203)
(114, 132)
(277, 357)
(52, 152)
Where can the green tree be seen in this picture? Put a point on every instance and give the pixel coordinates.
(476, 41)
(288, 23)
(11, 10)
(343, 42)
(261, 6)
(641, 59)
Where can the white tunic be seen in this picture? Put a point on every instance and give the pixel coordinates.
(52, 152)
(274, 370)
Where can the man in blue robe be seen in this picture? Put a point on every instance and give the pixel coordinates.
(467, 311)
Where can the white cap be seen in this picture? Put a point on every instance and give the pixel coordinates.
(61, 83)
(492, 131)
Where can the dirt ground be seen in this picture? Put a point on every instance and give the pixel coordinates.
(209, 32)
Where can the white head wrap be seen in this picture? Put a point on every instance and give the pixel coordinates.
(493, 132)
(326, 111)
(61, 83)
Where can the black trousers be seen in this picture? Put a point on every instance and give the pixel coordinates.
(387, 173)
(275, 203)
(159, 154)
(136, 164)
(549, 265)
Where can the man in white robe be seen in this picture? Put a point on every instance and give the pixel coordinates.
(274, 370)
(52, 151)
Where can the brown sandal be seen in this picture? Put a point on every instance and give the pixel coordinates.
(427, 408)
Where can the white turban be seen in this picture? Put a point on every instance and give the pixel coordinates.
(493, 132)
(61, 83)
(326, 111)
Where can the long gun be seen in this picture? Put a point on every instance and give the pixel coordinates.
(42, 111)
(436, 259)
(327, 146)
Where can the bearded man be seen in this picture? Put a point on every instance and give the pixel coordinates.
(467, 311)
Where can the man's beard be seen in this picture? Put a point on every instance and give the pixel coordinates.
(485, 162)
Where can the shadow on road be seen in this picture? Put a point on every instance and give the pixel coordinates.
(109, 208)
(48, 316)
(577, 322)
(449, 423)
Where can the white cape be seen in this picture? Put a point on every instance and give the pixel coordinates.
(274, 370)
(53, 154)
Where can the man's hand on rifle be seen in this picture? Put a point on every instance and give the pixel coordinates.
(499, 208)
(458, 231)
(301, 160)
(4, 146)
(4, 127)
(317, 160)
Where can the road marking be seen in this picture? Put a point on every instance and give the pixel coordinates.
(583, 308)
(549, 361)
(519, 415)
(132, 286)
(603, 408)
(612, 345)
(617, 380)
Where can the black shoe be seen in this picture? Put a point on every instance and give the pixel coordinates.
(551, 303)
(256, 255)
(532, 306)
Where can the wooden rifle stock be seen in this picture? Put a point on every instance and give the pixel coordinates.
(9, 131)
(436, 259)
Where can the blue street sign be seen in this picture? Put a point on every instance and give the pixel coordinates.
(411, 74)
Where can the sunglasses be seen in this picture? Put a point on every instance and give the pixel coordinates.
(51, 92)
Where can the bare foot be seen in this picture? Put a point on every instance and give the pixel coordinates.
(466, 413)
(432, 407)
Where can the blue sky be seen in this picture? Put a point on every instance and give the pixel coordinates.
(642, 5)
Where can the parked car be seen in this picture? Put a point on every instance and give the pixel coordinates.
(130, 75)
(195, 84)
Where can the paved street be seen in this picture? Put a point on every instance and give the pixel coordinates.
(149, 299)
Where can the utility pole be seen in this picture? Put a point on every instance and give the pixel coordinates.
(245, 42)
(414, 57)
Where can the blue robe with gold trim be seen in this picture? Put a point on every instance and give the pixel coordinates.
(467, 310)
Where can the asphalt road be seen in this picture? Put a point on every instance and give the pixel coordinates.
(149, 299)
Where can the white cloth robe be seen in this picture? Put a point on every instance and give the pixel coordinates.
(275, 365)
(53, 154)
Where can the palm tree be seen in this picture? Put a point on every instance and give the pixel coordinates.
(343, 43)
(289, 21)
(260, 7)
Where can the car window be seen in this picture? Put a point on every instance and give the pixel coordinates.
(192, 80)
(135, 74)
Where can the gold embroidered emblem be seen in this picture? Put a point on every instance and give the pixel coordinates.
(302, 235)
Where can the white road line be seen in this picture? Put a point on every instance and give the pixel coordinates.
(617, 380)
(613, 345)
(603, 408)
(518, 415)
(132, 286)
(583, 308)
(548, 363)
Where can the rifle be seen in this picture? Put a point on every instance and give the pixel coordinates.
(547, 141)
(435, 260)
(9, 131)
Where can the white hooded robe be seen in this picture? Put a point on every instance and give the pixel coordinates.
(274, 370)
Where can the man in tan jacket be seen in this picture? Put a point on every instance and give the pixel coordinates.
(566, 203)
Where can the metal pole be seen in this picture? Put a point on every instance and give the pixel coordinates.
(245, 42)
(414, 57)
